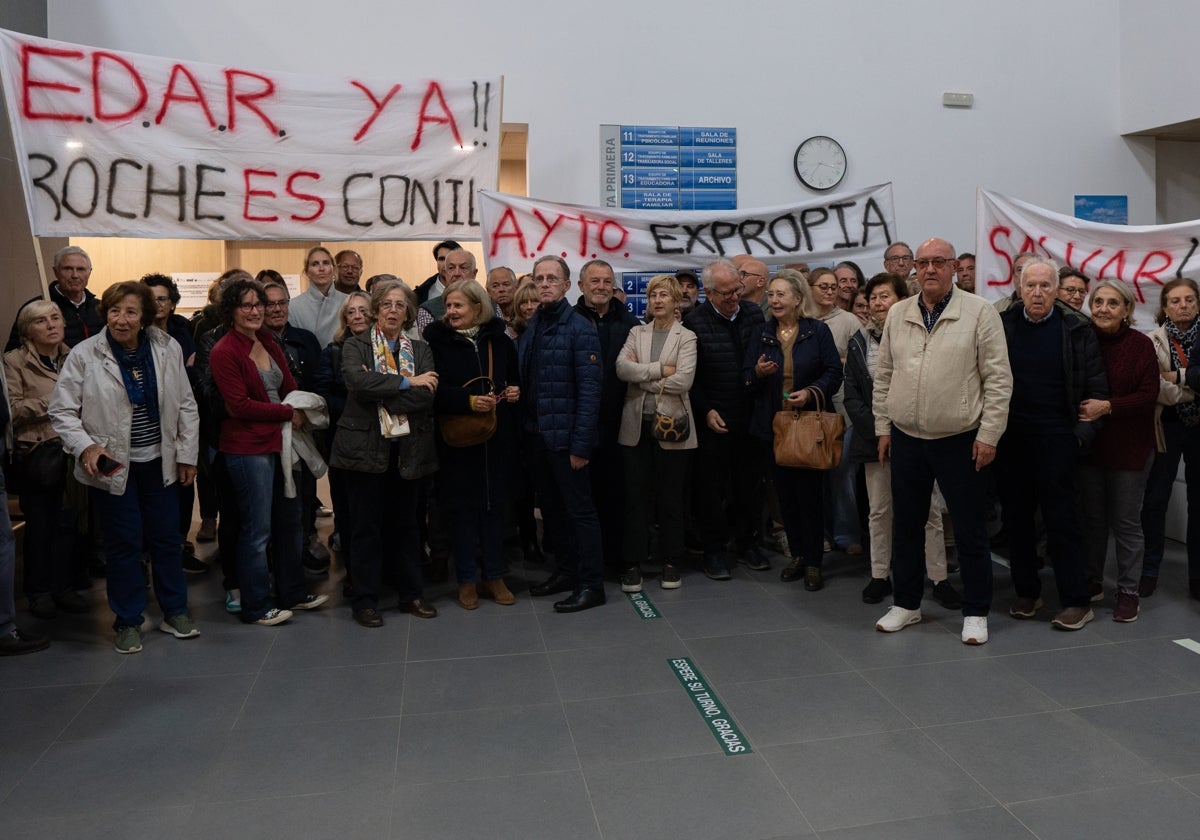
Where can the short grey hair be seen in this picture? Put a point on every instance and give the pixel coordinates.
(1046, 261)
(31, 311)
(706, 276)
(561, 262)
(71, 251)
(1122, 291)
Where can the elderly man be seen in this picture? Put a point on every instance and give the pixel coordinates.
(965, 276)
(80, 310)
(502, 288)
(437, 283)
(942, 389)
(730, 467)
(458, 264)
(349, 270)
(1056, 365)
(598, 304)
(755, 276)
(1014, 277)
(561, 375)
(898, 259)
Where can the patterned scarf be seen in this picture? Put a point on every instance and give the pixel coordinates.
(1188, 413)
(402, 363)
(137, 372)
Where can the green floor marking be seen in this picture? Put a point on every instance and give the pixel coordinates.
(731, 739)
(643, 605)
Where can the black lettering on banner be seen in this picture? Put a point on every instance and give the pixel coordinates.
(346, 198)
(383, 216)
(720, 231)
(180, 192)
(201, 169)
(694, 235)
(659, 232)
(840, 209)
(471, 220)
(39, 181)
(751, 230)
(434, 210)
(454, 185)
(871, 210)
(806, 226)
(66, 197)
(109, 206)
(796, 241)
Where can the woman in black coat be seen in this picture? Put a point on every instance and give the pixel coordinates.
(474, 481)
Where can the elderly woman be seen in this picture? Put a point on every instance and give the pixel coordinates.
(1112, 477)
(883, 292)
(385, 438)
(790, 357)
(124, 408)
(252, 378)
(473, 481)
(1177, 430)
(659, 363)
(31, 372)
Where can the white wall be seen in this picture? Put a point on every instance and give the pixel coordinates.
(1157, 60)
(1046, 123)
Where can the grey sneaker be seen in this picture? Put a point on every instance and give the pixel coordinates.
(274, 616)
(180, 626)
(309, 602)
(129, 640)
(631, 580)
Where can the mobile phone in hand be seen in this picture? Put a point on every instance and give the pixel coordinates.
(107, 466)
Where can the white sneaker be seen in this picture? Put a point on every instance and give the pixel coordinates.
(974, 630)
(897, 618)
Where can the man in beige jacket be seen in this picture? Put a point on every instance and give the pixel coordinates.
(941, 398)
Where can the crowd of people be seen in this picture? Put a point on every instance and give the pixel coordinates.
(446, 412)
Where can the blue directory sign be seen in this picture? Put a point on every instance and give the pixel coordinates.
(661, 167)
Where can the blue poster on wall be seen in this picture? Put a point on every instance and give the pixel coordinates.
(1105, 209)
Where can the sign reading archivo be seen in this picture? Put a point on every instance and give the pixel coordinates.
(731, 739)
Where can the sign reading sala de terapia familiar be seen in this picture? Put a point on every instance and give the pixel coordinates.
(114, 143)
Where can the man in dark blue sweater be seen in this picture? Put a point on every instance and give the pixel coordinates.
(1056, 365)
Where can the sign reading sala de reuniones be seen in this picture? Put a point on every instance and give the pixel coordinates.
(114, 143)
(518, 230)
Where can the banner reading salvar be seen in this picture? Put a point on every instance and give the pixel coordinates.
(1144, 257)
(518, 230)
(119, 144)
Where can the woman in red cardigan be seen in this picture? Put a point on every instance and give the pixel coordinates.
(1113, 475)
(251, 373)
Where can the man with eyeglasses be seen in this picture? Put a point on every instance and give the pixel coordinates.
(437, 283)
(898, 259)
(755, 277)
(349, 267)
(728, 486)
(562, 372)
(942, 390)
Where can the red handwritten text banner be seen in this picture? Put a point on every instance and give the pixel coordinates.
(517, 230)
(119, 144)
(1145, 257)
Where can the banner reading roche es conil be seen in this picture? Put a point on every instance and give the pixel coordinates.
(114, 143)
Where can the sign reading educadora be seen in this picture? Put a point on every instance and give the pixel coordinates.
(518, 230)
(723, 728)
(1145, 257)
(119, 144)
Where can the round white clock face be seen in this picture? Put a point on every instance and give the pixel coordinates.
(820, 163)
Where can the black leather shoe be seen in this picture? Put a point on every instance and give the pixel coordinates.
(368, 617)
(581, 599)
(419, 608)
(553, 585)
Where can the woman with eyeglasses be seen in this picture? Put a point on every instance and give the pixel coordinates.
(1177, 432)
(251, 374)
(841, 510)
(1072, 287)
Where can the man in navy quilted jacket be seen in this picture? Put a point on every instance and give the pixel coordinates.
(561, 376)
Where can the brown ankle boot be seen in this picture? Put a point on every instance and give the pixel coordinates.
(468, 599)
(498, 592)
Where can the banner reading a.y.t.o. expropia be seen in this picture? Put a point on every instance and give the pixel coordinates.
(518, 230)
(119, 144)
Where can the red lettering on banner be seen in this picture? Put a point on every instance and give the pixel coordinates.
(425, 116)
(549, 227)
(250, 191)
(247, 99)
(508, 217)
(28, 84)
(1119, 259)
(98, 59)
(179, 71)
(315, 199)
(1002, 253)
(379, 104)
(1090, 257)
(624, 235)
(1150, 274)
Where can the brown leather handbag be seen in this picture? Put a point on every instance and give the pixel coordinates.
(809, 439)
(459, 430)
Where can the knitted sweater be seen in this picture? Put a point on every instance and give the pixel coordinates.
(1127, 440)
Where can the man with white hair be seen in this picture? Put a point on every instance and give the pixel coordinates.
(80, 310)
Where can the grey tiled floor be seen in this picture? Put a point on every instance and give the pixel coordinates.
(517, 722)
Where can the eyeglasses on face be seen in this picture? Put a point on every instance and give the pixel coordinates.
(250, 307)
(937, 262)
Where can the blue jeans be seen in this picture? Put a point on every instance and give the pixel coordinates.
(145, 518)
(267, 516)
(1184, 443)
(916, 464)
(8, 558)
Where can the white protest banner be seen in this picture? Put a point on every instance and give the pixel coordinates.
(1143, 256)
(517, 230)
(118, 144)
